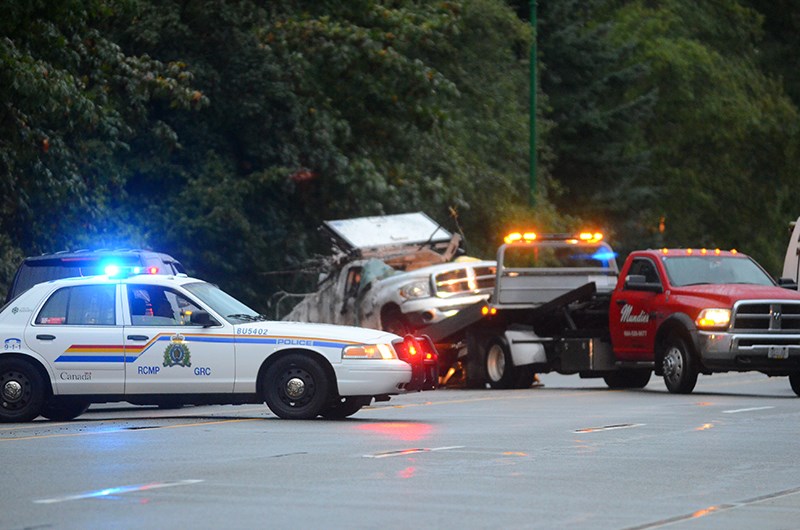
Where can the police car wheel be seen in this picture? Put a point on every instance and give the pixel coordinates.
(21, 391)
(296, 388)
(345, 407)
(63, 409)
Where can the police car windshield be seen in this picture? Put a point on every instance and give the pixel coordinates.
(221, 302)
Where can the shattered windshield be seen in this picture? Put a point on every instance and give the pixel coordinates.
(715, 270)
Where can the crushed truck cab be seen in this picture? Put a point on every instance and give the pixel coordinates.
(394, 272)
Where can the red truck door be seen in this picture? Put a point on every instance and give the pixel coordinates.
(632, 315)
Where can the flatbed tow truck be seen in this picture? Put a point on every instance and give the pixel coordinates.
(560, 304)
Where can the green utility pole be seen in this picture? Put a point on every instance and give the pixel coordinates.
(533, 107)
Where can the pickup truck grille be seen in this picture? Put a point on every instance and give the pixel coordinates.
(468, 280)
(767, 316)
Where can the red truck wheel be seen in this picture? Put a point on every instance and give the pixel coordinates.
(680, 369)
(794, 380)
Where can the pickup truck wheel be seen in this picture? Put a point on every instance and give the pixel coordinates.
(680, 370)
(394, 322)
(630, 378)
(345, 407)
(499, 365)
(794, 380)
(296, 387)
(21, 391)
(63, 409)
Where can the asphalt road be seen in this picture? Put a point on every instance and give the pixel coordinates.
(572, 454)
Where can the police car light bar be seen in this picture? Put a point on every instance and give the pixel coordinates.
(112, 270)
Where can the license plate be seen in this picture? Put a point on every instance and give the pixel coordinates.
(778, 352)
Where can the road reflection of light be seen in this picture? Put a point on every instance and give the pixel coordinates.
(702, 513)
(705, 427)
(116, 492)
(407, 472)
(704, 403)
(398, 430)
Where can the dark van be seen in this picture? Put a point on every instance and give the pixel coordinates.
(38, 269)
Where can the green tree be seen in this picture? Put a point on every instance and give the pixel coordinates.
(72, 100)
(724, 134)
(599, 156)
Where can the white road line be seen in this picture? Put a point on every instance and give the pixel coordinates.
(608, 428)
(116, 491)
(734, 411)
(404, 452)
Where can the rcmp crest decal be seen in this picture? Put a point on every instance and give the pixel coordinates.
(177, 352)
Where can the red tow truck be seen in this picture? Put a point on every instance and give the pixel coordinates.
(560, 305)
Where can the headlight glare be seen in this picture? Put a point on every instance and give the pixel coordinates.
(369, 351)
(713, 318)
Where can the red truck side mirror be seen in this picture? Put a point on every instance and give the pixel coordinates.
(638, 282)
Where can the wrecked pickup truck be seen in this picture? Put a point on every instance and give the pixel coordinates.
(395, 272)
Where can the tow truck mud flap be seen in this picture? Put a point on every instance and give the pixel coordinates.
(526, 347)
(584, 355)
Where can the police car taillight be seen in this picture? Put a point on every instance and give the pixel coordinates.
(407, 349)
(415, 350)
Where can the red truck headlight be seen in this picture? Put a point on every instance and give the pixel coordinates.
(713, 318)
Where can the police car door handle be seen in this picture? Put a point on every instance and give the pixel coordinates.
(46, 337)
(138, 337)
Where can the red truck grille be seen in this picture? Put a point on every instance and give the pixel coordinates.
(767, 316)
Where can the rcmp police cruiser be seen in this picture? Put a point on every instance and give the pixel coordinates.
(174, 340)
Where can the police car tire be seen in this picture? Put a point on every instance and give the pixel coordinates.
(296, 370)
(29, 403)
(63, 409)
(346, 407)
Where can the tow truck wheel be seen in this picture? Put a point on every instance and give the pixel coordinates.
(499, 365)
(524, 376)
(794, 380)
(63, 409)
(296, 387)
(345, 407)
(628, 379)
(680, 371)
(21, 391)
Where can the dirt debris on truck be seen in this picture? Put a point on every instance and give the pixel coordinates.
(394, 272)
(560, 305)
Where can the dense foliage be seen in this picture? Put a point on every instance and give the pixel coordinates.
(224, 132)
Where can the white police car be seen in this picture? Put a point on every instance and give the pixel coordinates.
(174, 340)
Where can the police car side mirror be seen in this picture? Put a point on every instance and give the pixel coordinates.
(202, 318)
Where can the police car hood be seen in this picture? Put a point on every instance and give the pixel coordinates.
(316, 331)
